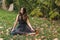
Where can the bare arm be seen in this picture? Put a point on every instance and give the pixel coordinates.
(15, 23)
(28, 22)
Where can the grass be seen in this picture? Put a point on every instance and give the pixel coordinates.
(47, 30)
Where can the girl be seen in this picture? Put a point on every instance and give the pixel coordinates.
(24, 25)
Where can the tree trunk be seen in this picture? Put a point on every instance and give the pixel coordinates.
(3, 4)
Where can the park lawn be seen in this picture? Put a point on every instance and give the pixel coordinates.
(47, 30)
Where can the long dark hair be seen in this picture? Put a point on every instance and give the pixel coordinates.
(24, 10)
(24, 15)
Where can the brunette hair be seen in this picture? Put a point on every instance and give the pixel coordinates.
(24, 16)
(24, 10)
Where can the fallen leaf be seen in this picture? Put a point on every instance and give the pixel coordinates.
(1, 27)
(43, 37)
(11, 39)
(55, 39)
(39, 39)
(1, 38)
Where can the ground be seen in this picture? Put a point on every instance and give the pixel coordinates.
(48, 30)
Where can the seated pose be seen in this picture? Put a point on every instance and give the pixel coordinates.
(24, 25)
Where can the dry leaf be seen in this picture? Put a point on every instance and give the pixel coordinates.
(55, 39)
(43, 37)
(1, 38)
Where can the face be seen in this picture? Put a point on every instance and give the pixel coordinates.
(22, 10)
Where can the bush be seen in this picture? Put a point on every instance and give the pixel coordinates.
(54, 15)
(57, 2)
(36, 12)
(0, 3)
(8, 2)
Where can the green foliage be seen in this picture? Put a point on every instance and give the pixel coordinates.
(57, 2)
(16, 5)
(45, 7)
(36, 12)
(54, 15)
(0, 3)
(29, 4)
(8, 2)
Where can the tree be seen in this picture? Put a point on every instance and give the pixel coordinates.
(3, 4)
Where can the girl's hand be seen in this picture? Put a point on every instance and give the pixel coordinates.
(12, 29)
(32, 30)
